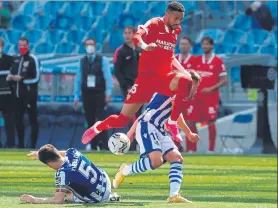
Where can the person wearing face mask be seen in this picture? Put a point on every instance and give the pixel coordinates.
(94, 80)
(24, 77)
(6, 98)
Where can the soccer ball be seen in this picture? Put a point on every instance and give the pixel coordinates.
(119, 144)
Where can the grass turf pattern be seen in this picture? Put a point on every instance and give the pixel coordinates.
(209, 181)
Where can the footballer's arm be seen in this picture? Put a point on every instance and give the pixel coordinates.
(183, 126)
(179, 67)
(59, 198)
(222, 81)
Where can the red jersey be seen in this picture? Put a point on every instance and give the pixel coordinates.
(210, 71)
(158, 61)
(188, 62)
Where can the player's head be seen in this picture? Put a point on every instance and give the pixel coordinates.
(196, 79)
(207, 44)
(128, 33)
(90, 46)
(174, 14)
(185, 45)
(50, 156)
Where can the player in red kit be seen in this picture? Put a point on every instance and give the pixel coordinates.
(187, 60)
(157, 38)
(204, 106)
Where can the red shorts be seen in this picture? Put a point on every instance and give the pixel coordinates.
(200, 109)
(146, 85)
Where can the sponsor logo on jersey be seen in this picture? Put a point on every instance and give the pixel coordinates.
(165, 45)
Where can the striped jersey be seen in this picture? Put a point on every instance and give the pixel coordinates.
(79, 175)
(158, 111)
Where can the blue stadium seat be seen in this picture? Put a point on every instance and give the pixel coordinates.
(256, 36)
(81, 50)
(235, 74)
(269, 49)
(31, 7)
(126, 20)
(138, 8)
(273, 8)
(189, 5)
(272, 38)
(63, 22)
(215, 34)
(96, 34)
(242, 22)
(54, 36)
(53, 7)
(197, 50)
(22, 22)
(226, 48)
(214, 5)
(116, 8)
(73, 8)
(13, 35)
(84, 23)
(75, 36)
(96, 7)
(43, 22)
(233, 36)
(248, 49)
(65, 48)
(158, 8)
(44, 48)
(34, 35)
(116, 38)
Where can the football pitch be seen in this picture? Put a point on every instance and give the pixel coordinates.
(209, 181)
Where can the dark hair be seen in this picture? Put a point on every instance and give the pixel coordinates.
(175, 7)
(131, 28)
(209, 39)
(188, 39)
(90, 39)
(24, 39)
(2, 42)
(48, 153)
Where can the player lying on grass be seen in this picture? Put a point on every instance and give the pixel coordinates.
(156, 146)
(77, 178)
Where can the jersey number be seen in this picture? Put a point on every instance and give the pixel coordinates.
(88, 172)
(133, 89)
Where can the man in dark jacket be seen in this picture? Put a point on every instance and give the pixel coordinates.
(24, 77)
(6, 98)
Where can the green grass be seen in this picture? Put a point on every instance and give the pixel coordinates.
(209, 181)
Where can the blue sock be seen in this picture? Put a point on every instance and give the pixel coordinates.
(175, 177)
(140, 166)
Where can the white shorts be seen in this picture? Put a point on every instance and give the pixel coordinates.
(150, 139)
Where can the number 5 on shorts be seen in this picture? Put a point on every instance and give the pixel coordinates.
(133, 89)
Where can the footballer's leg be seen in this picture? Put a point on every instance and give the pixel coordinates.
(173, 156)
(150, 154)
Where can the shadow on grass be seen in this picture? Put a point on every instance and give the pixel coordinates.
(110, 204)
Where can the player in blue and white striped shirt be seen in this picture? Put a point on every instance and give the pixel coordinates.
(156, 146)
(77, 178)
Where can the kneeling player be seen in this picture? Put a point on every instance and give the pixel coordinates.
(156, 146)
(77, 178)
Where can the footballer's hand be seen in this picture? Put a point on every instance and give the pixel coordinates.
(27, 198)
(33, 155)
(151, 47)
(193, 137)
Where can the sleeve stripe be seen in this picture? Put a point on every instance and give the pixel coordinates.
(223, 74)
(144, 28)
(4, 72)
(37, 78)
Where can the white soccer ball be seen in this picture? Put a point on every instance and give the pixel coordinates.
(119, 144)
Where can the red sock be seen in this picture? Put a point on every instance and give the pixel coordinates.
(212, 136)
(190, 146)
(183, 91)
(114, 121)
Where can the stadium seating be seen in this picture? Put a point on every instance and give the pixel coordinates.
(43, 22)
(248, 49)
(34, 36)
(53, 7)
(241, 22)
(22, 22)
(13, 35)
(75, 36)
(197, 50)
(269, 49)
(233, 36)
(84, 23)
(225, 48)
(256, 36)
(54, 36)
(65, 48)
(44, 48)
(215, 34)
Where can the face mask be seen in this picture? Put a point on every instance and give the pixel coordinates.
(23, 50)
(90, 49)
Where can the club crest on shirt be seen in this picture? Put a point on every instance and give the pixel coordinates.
(26, 64)
(128, 57)
(198, 66)
(188, 65)
(210, 66)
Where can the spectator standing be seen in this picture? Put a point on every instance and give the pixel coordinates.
(205, 104)
(187, 61)
(25, 76)
(6, 98)
(126, 58)
(94, 78)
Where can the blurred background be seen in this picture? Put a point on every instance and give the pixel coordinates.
(244, 33)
